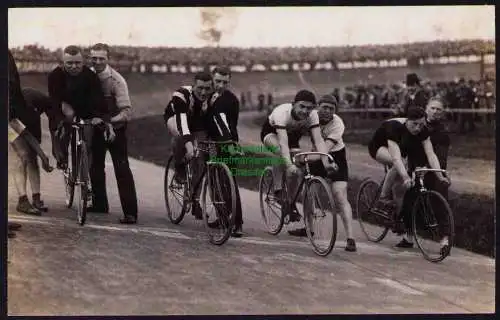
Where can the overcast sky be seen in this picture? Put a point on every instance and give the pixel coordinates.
(250, 27)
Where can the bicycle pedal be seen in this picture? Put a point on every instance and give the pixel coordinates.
(380, 212)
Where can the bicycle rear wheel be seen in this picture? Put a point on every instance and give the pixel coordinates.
(174, 193)
(82, 185)
(372, 224)
(218, 201)
(320, 215)
(270, 208)
(432, 222)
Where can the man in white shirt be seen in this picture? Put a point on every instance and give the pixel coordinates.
(332, 129)
(115, 90)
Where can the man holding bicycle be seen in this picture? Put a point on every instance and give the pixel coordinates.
(115, 90)
(393, 142)
(188, 118)
(224, 101)
(440, 142)
(76, 91)
(282, 131)
(332, 129)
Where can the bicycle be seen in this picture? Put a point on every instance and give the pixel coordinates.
(77, 171)
(216, 181)
(307, 186)
(424, 200)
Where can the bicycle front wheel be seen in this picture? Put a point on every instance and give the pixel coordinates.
(433, 225)
(372, 224)
(70, 175)
(320, 216)
(82, 185)
(218, 202)
(270, 207)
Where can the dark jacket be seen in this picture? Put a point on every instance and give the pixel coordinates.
(39, 103)
(17, 105)
(83, 92)
(228, 104)
(419, 99)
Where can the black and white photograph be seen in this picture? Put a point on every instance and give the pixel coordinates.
(272, 160)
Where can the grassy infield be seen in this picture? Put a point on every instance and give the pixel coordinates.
(474, 214)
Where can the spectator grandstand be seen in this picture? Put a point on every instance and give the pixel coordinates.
(129, 57)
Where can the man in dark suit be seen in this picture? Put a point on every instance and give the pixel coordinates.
(414, 94)
(224, 101)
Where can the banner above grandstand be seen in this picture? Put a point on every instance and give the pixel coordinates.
(28, 65)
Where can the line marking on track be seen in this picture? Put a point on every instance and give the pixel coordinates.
(164, 231)
(398, 286)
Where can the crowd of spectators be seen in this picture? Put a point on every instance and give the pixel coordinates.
(266, 56)
(461, 94)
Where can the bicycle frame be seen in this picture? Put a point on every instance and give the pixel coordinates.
(418, 176)
(193, 187)
(308, 174)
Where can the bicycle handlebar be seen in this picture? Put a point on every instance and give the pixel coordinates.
(423, 171)
(226, 142)
(310, 153)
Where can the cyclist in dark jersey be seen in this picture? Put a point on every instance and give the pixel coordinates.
(392, 143)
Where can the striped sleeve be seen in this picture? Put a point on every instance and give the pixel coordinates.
(179, 107)
(222, 125)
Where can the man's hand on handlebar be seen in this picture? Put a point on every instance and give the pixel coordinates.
(444, 180)
(332, 168)
(96, 121)
(407, 183)
(235, 150)
(292, 169)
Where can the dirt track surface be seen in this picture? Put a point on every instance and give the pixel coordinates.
(473, 176)
(104, 268)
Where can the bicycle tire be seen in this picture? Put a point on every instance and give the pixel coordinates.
(445, 209)
(170, 168)
(210, 185)
(69, 176)
(309, 213)
(263, 199)
(82, 178)
(366, 184)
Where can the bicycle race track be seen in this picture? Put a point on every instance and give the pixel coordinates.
(104, 268)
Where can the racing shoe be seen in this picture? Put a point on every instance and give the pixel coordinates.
(196, 211)
(13, 226)
(237, 232)
(350, 245)
(404, 244)
(38, 203)
(294, 214)
(24, 206)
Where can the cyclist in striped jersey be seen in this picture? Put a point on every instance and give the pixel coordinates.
(188, 117)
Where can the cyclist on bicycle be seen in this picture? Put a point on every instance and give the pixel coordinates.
(332, 129)
(188, 118)
(76, 90)
(282, 131)
(393, 142)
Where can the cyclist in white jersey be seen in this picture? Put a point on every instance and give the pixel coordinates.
(282, 132)
(332, 129)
